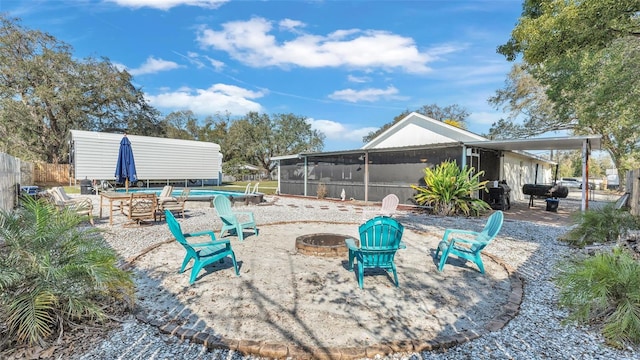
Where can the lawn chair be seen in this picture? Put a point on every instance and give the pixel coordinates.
(471, 244)
(141, 209)
(202, 254)
(176, 205)
(380, 238)
(389, 207)
(80, 205)
(166, 194)
(230, 219)
(61, 197)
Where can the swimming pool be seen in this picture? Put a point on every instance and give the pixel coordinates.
(195, 194)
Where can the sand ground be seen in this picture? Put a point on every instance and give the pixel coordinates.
(284, 296)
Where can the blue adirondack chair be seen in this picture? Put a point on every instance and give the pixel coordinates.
(203, 254)
(380, 238)
(231, 219)
(471, 244)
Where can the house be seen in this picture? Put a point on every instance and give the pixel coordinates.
(396, 159)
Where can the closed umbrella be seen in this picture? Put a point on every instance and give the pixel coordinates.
(126, 166)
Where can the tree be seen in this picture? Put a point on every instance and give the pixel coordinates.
(523, 98)
(178, 123)
(585, 57)
(553, 28)
(587, 93)
(452, 114)
(45, 92)
(256, 138)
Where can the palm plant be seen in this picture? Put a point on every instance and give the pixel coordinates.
(448, 189)
(54, 273)
(604, 289)
(600, 225)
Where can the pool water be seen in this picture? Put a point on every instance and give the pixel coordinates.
(195, 193)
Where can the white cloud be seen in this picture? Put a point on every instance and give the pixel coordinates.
(168, 4)
(119, 66)
(370, 95)
(358, 79)
(153, 65)
(254, 43)
(217, 65)
(217, 98)
(200, 61)
(481, 72)
(290, 25)
(336, 131)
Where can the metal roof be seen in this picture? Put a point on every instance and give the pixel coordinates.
(550, 143)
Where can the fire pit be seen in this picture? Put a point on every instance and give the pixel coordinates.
(327, 245)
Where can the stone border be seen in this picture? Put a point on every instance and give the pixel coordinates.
(277, 350)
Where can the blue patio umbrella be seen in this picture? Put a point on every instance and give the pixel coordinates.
(126, 166)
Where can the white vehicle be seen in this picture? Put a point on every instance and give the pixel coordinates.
(613, 183)
(571, 182)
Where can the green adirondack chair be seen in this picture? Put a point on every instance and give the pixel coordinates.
(204, 253)
(380, 238)
(231, 219)
(471, 244)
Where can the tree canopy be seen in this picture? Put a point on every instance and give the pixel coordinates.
(452, 114)
(553, 28)
(256, 138)
(580, 72)
(45, 92)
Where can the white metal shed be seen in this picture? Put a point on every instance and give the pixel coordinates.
(94, 156)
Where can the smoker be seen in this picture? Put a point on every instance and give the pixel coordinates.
(85, 187)
(499, 196)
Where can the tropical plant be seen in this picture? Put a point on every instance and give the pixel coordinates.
(600, 225)
(448, 190)
(54, 273)
(604, 290)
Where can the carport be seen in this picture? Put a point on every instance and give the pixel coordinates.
(586, 143)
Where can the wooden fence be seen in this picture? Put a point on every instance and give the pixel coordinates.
(9, 178)
(51, 174)
(632, 187)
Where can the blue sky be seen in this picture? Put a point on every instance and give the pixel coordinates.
(348, 66)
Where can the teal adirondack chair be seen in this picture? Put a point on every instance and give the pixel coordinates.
(380, 238)
(203, 254)
(231, 219)
(471, 244)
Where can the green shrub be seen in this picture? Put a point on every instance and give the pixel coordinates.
(600, 225)
(54, 273)
(322, 191)
(448, 190)
(604, 290)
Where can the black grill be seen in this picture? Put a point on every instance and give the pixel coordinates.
(499, 197)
